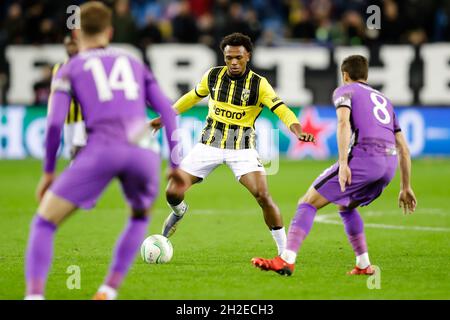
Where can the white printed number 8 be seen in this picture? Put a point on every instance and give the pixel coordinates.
(379, 111)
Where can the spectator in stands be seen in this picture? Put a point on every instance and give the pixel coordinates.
(125, 30)
(207, 30)
(184, 25)
(42, 87)
(301, 24)
(392, 24)
(150, 33)
(14, 25)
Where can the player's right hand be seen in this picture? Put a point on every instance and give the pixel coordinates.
(307, 137)
(345, 176)
(407, 200)
(156, 124)
(44, 183)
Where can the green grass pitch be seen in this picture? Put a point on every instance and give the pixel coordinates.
(224, 229)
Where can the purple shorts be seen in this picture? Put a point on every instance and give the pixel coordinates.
(96, 165)
(370, 175)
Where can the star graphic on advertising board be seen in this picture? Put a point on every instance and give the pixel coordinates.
(322, 129)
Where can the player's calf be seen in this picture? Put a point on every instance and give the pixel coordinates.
(174, 218)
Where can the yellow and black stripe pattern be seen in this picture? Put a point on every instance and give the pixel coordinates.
(235, 104)
(228, 136)
(75, 114)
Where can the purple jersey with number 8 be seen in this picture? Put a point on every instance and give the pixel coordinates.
(372, 117)
(372, 158)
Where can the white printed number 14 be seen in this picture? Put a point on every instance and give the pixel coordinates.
(120, 78)
(379, 109)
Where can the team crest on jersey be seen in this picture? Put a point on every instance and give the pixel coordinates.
(245, 95)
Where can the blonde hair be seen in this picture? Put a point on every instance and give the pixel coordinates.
(95, 17)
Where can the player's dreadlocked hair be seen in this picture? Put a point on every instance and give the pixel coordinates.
(356, 66)
(237, 39)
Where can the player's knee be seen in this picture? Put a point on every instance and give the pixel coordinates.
(50, 218)
(263, 197)
(313, 198)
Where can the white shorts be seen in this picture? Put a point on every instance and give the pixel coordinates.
(203, 159)
(75, 134)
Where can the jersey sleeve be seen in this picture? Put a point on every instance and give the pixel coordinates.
(161, 104)
(201, 89)
(59, 104)
(267, 95)
(269, 98)
(342, 97)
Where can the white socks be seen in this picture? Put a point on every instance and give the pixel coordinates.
(111, 293)
(362, 261)
(280, 239)
(179, 209)
(34, 297)
(289, 256)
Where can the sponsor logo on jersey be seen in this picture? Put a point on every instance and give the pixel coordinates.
(228, 114)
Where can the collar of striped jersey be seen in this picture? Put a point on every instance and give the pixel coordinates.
(242, 76)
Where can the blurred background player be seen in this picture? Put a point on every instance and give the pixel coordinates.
(74, 128)
(359, 176)
(112, 89)
(237, 97)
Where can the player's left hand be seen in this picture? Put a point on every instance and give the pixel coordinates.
(44, 183)
(156, 124)
(345, 176)
(407, 200)
(306, 137)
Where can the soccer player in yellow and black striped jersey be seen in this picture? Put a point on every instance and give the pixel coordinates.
(74, 128)
(237, 97)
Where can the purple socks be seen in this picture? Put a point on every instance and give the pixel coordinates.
(40, 252)
(126, 249)
(354, 227)
(39, 255)
(300, 226)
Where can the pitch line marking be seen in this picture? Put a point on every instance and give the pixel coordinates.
(324, 218)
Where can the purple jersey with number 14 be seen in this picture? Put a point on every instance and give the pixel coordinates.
(113, 89)
(372, 159)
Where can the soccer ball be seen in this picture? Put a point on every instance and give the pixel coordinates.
(156, 249)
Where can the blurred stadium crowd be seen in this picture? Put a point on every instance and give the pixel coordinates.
(267, 22)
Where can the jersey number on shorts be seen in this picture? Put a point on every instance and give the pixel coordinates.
(379, 109)
(120, 78)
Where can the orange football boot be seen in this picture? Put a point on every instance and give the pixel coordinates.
(100, 296)
(366, 271)
(276, 264)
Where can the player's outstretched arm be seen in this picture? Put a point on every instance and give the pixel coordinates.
(343, 140)
(406, 199)
(161, 105)
(296, 129)
(269, 98)
(186, 102)
(59, 105)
